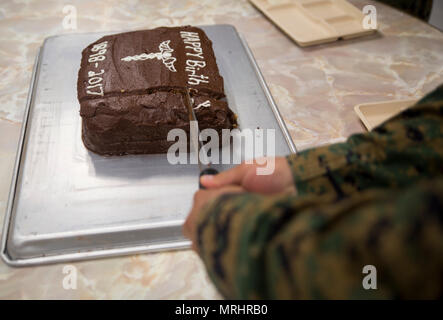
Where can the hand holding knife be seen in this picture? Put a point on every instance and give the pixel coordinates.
(205, 169)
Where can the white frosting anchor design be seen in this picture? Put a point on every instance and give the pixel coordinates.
(165, 55)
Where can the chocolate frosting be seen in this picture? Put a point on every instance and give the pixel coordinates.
(150, 74)
(131, 87)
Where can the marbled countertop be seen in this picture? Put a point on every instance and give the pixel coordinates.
(315, 88)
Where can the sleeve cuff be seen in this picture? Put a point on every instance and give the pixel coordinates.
(311, 167)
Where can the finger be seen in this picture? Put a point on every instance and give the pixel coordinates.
(232, 176)
(194, 246)
(186, 229)
(190, 223)
(201, 198)
(227, 190)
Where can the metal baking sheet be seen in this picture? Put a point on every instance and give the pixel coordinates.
(67, 203)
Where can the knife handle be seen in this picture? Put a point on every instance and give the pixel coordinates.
(205, 172)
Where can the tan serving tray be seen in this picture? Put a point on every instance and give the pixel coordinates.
(310, 22)
(375, 113)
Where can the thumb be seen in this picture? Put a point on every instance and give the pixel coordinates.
(232, 176)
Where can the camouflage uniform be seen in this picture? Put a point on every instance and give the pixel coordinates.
(376, 199)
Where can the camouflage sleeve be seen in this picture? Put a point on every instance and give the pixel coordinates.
(283, 247)
(373, 200)
(401, 151)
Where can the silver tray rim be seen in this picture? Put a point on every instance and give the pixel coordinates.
(106, 253)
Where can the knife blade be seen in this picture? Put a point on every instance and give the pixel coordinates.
(205, 169)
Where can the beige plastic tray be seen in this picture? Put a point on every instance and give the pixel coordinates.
(310, 22)
(375, 113)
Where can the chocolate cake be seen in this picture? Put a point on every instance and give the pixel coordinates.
(132, 89)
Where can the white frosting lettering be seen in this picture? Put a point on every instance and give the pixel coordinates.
(205, 104)
(195, 65)
(95, 79)
(198, 55)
